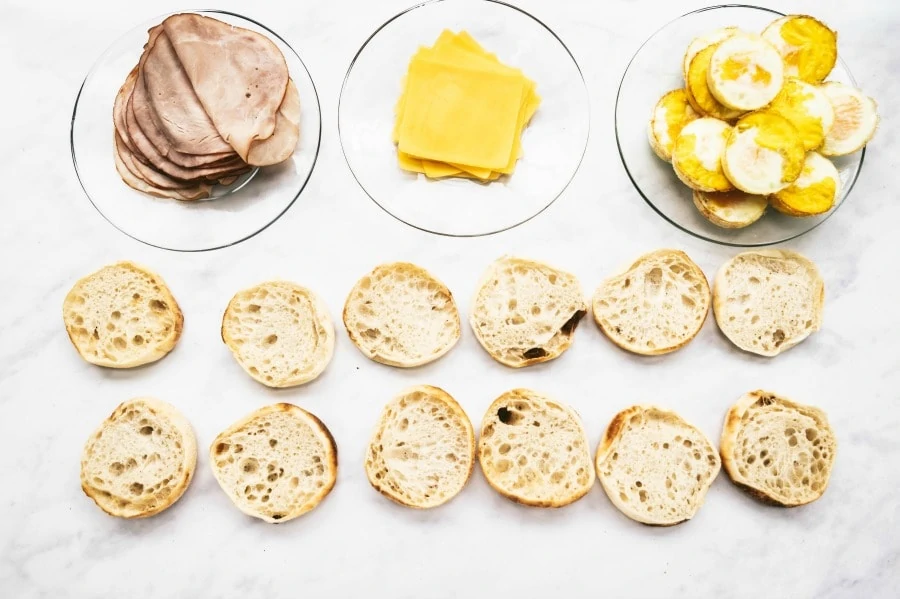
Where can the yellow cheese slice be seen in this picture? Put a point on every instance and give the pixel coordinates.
(410, 163)
(459, 114)
(435, 169)
(461, 56)
(474, 55)
(438, 170)
(467, 52)
(475, 171)
(529, 107)
(462, 48)
(398, 113)
(480, 172)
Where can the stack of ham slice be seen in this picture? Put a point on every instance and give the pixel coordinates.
(205, 104)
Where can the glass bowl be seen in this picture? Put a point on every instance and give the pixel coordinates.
(235, 212)
(553, 143)
(656, 69)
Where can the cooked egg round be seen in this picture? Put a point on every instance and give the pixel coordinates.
(705, 41)
(670, 114)
(814, 192)
(697, 89)
(764, 154)
(745, 72)
(730, 209)
(697, 157)
(807, 108)
(855, 119)
(808, 46)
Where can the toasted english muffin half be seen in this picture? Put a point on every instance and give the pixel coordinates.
(422, 452)
(767, 301)
(279, 332)
(526, 312)
(275, 464)
(779, 451)
(140, 460)
(401, 315)
(122, 316)
(534, 450)
(654, 466)
(656, 306)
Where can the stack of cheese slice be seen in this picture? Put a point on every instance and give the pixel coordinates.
(206, 102)
(462, 111)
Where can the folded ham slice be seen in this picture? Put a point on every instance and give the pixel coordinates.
(181, 116)
(239, 76)
(146, 119)
(283, 141)
(147, 153)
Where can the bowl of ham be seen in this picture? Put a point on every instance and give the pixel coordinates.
(196, 130)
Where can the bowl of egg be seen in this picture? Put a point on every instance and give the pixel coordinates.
(741, 125)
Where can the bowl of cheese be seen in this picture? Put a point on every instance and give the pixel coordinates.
(463, 117)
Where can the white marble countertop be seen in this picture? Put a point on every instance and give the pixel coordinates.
(55, 543)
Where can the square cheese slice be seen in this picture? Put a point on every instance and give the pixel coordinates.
(460, 114)
(463, 50)
(530, 99)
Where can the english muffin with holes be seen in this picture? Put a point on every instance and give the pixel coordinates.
(778, 450)
(122, 316)
(275, 464)
(526, 312)
(534, 450)
(768, 301)
(656, 306)
(423, 449)
(654, 466)
(140, 460)
(401, 315)
(280, 333)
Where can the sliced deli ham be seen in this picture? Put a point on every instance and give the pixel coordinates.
(205, 104)
(119, 109)
(239, 76)
(181, 116)
(147, 153)
(147, 120)
(125, 163)
(281, 144)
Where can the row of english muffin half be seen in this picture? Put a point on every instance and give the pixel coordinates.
(281, 461)
(523, 313)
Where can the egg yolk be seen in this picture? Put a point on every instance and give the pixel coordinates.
(735, 67)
